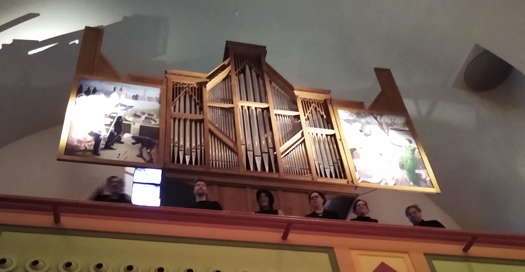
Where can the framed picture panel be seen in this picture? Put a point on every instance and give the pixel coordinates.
(383, 151)
(113, 122)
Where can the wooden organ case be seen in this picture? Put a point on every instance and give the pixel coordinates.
(243, 126)
(243, 121)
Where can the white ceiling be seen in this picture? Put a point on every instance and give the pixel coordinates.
(474, 141)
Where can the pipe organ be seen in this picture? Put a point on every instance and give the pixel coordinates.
(245, 124)
(244, 117)
(321, 136)
(187, 141)
(256, 134)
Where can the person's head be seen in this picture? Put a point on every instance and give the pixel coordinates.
(200, 189)
(119, 119)
(114, 184)
(413, 213)
(316, 200)
(265, 199)
(360, 207)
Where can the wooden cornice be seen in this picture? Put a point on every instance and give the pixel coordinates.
(246, 48)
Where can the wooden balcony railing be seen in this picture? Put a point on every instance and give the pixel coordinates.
(285, 224)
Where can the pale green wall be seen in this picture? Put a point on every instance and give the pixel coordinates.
(469, 264)
(148, 252)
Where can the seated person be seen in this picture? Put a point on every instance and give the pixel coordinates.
(265, 201)
(413, 213)
(317, 201)
(360, 208)
(200, 191)
(112, 191)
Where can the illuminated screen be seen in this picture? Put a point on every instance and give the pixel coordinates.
(147, 175)
(145, 194)
(113, 121)
(383, 149)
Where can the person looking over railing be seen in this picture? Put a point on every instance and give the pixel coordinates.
(414, 214)
(265, 200)
(200, 191)
(361, 209)
(112, 191)
(317, 201)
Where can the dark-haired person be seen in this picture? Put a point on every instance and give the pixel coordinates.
(317, 201)
(265, 201)
(146, 144)
(413, 213)
(200, 191)
(115, 135)
(112, 191)
(360, 208)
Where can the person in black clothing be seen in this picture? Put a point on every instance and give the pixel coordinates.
(413, 212)
(146, 144)
(265, 201)
(97, 138)
(317, 201)
(360, 208)
(115, 135)
(112, 191)
(200, 191)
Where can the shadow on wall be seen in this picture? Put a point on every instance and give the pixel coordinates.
(29, 167)
(475, 145)
(18, 20)
(35, 85)
(134, 44)
(139, 45)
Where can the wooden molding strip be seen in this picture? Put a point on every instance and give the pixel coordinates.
(27, 205)
(219, 67)
(186, 116)
(253, 104)
(349, 104)
(286, 112)
(225, 139)
(274, 76)
(321, 131)
(175, 72)
(147, 79)
(259, 179)
(217, 79)
(220, 105)
(297, 138)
